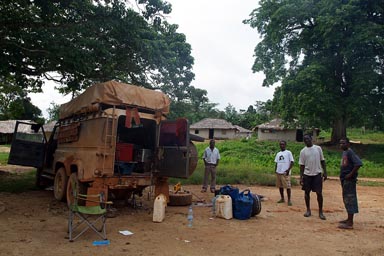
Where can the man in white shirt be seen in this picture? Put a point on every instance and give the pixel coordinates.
(312, 173)
(211, 159)
(284, 162)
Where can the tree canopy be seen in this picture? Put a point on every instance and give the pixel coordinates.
(329, 57)
(78, 43)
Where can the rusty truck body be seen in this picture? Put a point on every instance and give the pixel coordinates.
(113, 137)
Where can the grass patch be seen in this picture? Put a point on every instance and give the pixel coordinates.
(371, 183)
(3, 158)
(17, 182)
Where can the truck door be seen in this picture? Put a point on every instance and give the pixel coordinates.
(28, 145)
(174, 148)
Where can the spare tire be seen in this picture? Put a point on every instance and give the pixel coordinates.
(256, 208)
(180, 199)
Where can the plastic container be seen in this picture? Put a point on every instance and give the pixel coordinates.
(223, 207)
(243, 206)
(124, 152)
(214, 206)
(190, 216)
(159, 208)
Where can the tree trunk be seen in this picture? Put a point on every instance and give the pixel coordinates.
(339, 130)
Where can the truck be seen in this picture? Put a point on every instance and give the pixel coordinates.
(113, 138)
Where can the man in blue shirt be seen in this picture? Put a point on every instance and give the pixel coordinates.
(350, 164)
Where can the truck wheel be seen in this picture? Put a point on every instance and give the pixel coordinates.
(72, 184)
(180, 199)
(60, 184)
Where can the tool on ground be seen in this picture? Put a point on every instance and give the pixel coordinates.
(177, 188)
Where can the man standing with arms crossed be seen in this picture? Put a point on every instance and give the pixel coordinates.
(312, 173)
(284, 162)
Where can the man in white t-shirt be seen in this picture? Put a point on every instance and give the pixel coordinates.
(211, 157)
(312, 173)
(284, 162)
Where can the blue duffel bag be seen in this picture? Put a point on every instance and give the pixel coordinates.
(243, 205)
(233, 192)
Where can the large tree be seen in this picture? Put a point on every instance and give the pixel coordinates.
(329, 57)
(77, 43)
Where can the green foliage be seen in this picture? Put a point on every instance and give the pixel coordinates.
(53, 112)
(328, 56)
(14, 104)
(17, 182)
(78, 43)
(3, 158)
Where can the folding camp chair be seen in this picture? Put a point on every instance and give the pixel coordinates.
(91, 214)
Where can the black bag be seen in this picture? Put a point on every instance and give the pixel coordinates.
(256, 208)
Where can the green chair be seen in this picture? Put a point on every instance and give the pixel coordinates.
(83, 217)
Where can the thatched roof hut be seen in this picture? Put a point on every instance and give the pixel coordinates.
(214, 128)
(7, 128)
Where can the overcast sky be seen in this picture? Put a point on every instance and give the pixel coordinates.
(222, 47)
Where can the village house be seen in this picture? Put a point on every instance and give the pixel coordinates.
(275, 130)
(7, 128)
(214, 128)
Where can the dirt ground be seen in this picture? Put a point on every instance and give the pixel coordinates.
(33, 223)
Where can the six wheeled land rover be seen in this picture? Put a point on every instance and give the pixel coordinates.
(113, 137)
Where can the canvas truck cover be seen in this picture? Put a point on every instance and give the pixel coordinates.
(115, 93)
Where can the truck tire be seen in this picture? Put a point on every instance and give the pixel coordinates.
(81, 189)
(60, 185)
(180, 199)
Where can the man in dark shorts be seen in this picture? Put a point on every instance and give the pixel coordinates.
(350, 164)
(312, 173)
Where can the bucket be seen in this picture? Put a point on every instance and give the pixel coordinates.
(243, 206)
(223, 207)
(159, 208)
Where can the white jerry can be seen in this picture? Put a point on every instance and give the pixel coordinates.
(223, 207)
(159, 208)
